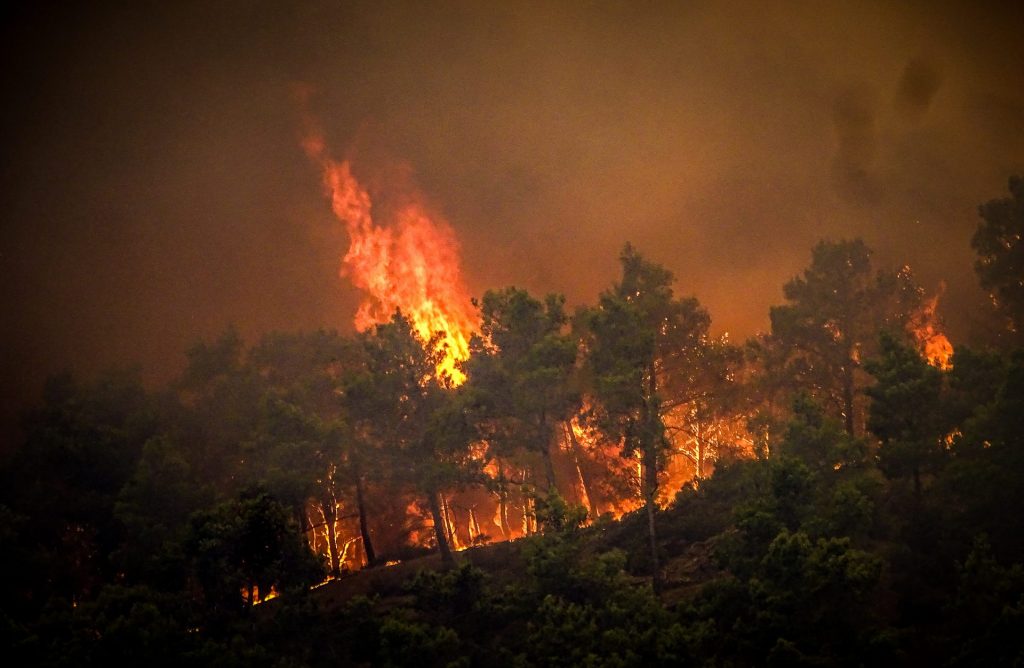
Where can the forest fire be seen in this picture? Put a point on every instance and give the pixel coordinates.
(411, 264)
(425, 334)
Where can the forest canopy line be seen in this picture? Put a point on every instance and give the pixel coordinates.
(841, 490)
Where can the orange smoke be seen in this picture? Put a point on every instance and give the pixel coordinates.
(411, 264)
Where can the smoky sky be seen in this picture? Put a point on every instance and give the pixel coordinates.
(154, 189)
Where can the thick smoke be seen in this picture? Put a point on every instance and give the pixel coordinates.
(155, 192)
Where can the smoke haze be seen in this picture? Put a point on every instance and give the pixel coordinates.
(155, 190)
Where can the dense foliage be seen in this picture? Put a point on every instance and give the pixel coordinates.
(866, 511)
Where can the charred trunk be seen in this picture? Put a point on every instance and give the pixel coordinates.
(650, 490)
(544, 445)
(440, 533)
(549, 468)
(364, 529)
(699, 464)
(650, 442)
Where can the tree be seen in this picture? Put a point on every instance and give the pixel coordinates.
(520, 371)
(248, 547)
(1000, 247)
(636, 339)
(706, 419)
(988, 463)
(220, 397)
(153, 508)
(82, 446)
(399, 400)
(308, 449)
(907, 412)
(831, 323)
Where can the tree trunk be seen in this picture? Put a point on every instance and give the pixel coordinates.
(329, 510)
(699, 464)
(364, 529)
(549, 468)
(506, 530)
(544, 446)
(434, 502)
(450, 522)
(649, 452)
(650, 489)
(577, 451)
(528, 478)
(848, 396)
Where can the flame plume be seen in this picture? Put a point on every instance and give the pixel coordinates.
(411, 264)
(925, 325)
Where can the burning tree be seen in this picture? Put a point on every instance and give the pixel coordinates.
(637, 336)
(404, 402)
(831, 323)
(521, 372)
(304, 447)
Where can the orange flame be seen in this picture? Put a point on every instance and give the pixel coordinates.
(935, 347)
(411, 265)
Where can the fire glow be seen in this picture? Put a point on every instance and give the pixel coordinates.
(408, 260)
(935, 347)
(410, 264)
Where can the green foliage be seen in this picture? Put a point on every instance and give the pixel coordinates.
(1000, 248)
(907, 412)
(81, 448)
(835, 312)
(521, 373)
(987, 464)
(990, 602)
(135, 524)
(458, 588)
(639, 339)
(249, 542)
(555, 515)
(818, 440)
(154, 554)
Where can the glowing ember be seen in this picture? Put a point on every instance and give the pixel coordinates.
(411, 264)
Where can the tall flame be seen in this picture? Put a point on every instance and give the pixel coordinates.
(925, 325)
(411, 264)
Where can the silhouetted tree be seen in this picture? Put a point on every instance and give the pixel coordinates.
(907, 411)
(999, 243)
(244, 548)
(831, 323)
(399, 400)
(520, 371)
(81, 448)
(635, 339)
(306, 447)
